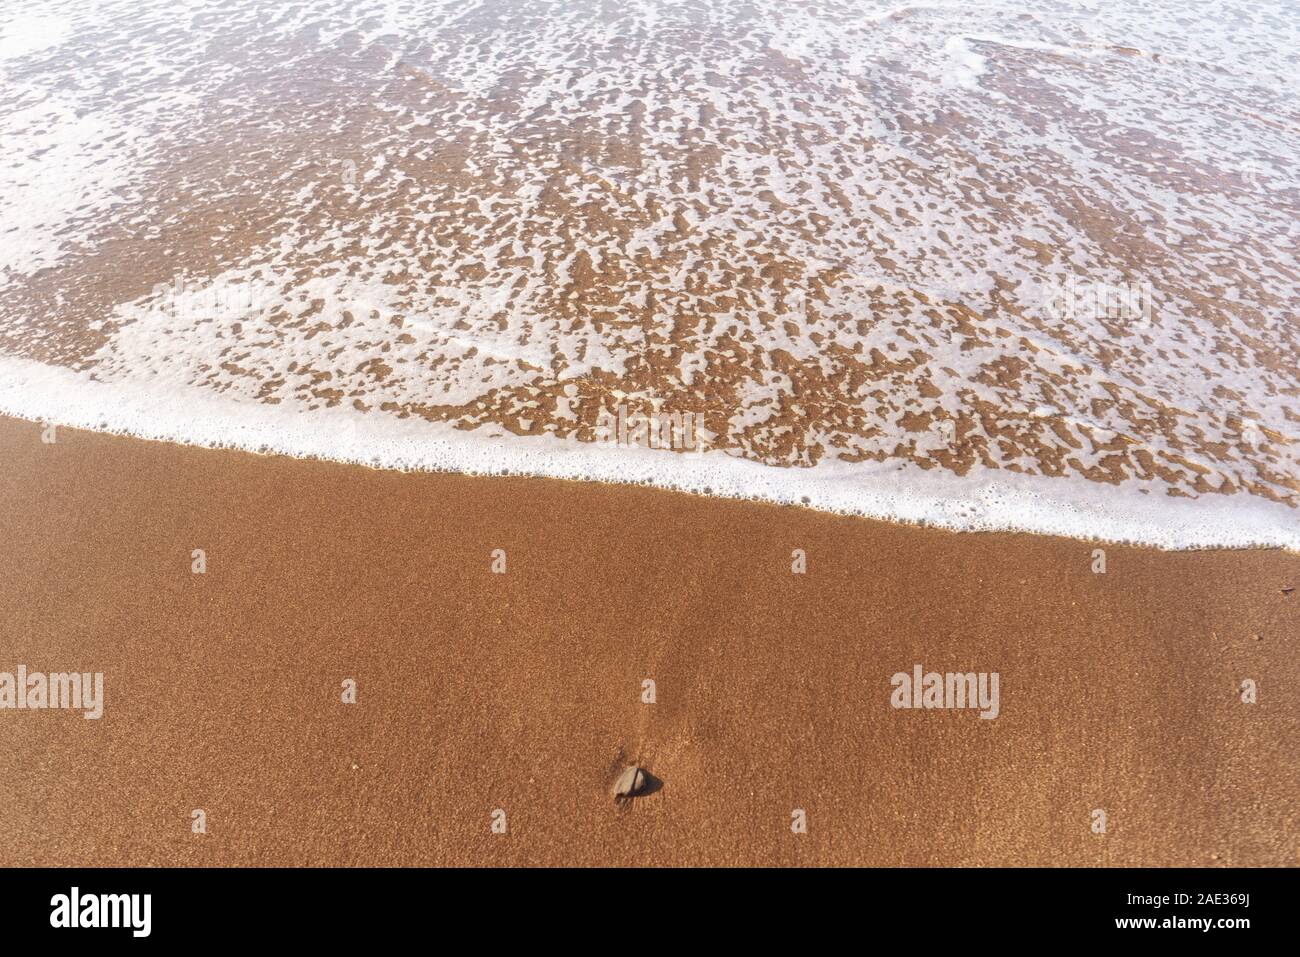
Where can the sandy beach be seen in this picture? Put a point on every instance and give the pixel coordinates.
(522, 691)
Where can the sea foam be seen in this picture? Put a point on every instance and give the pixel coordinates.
(1014, 264)
(991, 500)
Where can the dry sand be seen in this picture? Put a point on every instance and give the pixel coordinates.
(522, 691)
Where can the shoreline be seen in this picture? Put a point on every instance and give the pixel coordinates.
(523, 691)
(992, 500)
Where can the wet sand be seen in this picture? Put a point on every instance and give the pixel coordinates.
(523, 691)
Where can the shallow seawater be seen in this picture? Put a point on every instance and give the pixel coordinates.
(1002, 264)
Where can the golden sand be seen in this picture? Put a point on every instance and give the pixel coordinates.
(522, 692)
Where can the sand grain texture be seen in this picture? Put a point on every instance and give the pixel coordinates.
(522, 691)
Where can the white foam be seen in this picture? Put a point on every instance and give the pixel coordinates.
(833, 228)
(990, 500)
(22, 35)
(967, 65)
